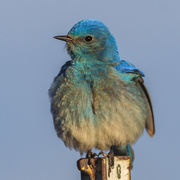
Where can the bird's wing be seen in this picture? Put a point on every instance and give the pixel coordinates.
(63, 69)
(150, 127)
(126, 67)
(61, 73)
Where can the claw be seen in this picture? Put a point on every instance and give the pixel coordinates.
(90, 154)
(102, 153)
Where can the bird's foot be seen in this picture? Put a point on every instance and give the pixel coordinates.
(90, 154)
(102, 153)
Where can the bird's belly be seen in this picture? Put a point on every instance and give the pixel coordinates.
(120, 113)
(101, 117)
(73, 117)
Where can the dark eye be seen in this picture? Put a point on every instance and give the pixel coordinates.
(88, 38)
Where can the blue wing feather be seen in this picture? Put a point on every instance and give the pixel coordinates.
(56, 81)
(126, 67)
(63, 69)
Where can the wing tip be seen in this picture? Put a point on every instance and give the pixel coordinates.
(150, 132)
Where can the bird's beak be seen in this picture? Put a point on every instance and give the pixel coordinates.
(63, 38)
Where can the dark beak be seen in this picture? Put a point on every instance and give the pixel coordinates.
(63, 38)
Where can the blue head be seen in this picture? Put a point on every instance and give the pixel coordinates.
(91, 39)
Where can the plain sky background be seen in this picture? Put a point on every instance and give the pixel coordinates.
(147, 34)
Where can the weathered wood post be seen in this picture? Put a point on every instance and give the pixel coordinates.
(102, 168)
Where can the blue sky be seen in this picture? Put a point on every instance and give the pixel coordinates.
(147, 34)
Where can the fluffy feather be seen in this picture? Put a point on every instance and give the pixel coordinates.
(97, 100)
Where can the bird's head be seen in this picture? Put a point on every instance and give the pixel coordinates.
(90, 39)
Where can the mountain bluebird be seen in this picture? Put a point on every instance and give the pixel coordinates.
(99, 100)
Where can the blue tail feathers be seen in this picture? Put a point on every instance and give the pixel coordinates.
(124, 151)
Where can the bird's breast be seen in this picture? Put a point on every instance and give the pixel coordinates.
(97, 111)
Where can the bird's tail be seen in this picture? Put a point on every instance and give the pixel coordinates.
(124, 150)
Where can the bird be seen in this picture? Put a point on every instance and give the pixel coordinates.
(99, 100)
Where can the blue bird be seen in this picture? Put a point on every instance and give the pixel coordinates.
(99, 100)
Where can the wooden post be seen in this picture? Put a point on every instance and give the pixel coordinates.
(105, 168)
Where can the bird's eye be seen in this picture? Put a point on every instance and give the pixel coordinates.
(88, 38)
